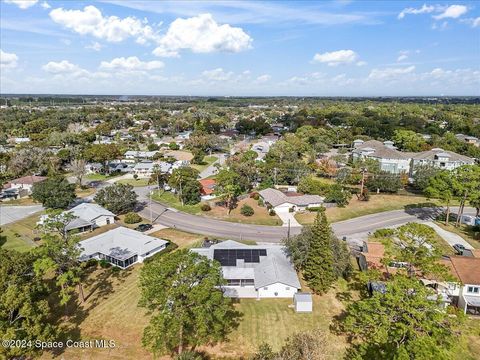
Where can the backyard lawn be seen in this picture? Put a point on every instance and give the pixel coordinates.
(376, 204)
(207, 161)
(111, 312)
(19, 235)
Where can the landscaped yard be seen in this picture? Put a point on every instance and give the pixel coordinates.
(376, 204)
(181, 238)
(261, 216)
(19, 235)
(207, 161)
(134, 182)
(100, 177)
(111, 312)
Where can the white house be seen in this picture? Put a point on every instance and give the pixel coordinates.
(284, 201)
(385, 153)
(88, 216)
(121, 247)
(254, 271)
(25, 183)
(133, 155)
(440, 158)
(467, 269)
(144, 169)
(397, 162)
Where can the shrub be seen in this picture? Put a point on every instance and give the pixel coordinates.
(91, 263)
(247, 210)
(255, 195)
(314, 208)
(205, 207)
(381, 233)
(169, 248)
(173, 146)
(291, 209)
(260, 202)
(115, 269)
(135, 176)
(132, 218)
(272, 212)
(104, 264)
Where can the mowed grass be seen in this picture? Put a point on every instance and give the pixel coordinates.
(463, 231)
(181, 238)
(207, 161)
(19, 235)
(376, 204)
(111, 312)
(134, 182)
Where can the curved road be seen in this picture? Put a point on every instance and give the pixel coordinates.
(224, 229)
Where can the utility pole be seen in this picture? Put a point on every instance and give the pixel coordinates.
(363, 182)
(288, 230)
(150, 206)
(274, 176)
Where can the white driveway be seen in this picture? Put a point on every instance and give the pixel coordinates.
(448, 236)
(287, 217)
(12, 213)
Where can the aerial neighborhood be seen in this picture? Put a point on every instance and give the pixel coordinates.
(277, 209)
(239, 180)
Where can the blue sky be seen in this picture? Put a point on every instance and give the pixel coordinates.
(324, 48)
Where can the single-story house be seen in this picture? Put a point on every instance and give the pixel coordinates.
(254, 271)
(121, 247)
(284, 201)
(133, 155)
(88, 216)
(24, 183)
(208, 188)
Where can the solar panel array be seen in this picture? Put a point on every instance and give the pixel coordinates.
(229, 257)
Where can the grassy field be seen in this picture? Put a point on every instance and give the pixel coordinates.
(19, 235)
(168, 198)
(464, 231)
(181, 238)
(111, 312)
(207, 161)
(134, 182)
(376, 204)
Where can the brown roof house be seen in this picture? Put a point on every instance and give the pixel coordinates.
(24, 184)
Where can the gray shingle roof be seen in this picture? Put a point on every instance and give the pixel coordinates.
(380, 150)
(120, 243)
(89, 211)
(275, 197)
(273, 268)
(430, 155)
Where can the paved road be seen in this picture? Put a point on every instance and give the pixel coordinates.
(218, 228)
(12, 213)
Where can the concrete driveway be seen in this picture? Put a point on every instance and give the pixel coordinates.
(12, 213)
(448, 236)
(212, 169)
(288, 218)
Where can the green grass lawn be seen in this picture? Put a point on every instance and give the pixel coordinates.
(376, 204)
(134, 182)
(207, 161)
(20, 234)
(168, 198)
(463, 231)
(100, 177)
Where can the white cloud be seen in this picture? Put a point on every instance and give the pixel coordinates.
(94, 46)
(442, 26)
(22, 4)
(476, 22)
(201, 34)
(90, 21)
(217, 74)
(131, 63)
(8, 60)
(61, 67)
(453, 11)
(423, 10)
(336, 57)
(45, 5)
(390, 73)
(361, 63)
(473, 22)
(263, 78)
(403, 55)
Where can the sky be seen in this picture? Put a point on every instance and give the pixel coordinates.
(240, 48)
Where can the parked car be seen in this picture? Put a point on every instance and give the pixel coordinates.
(144, 227)
(459, 248)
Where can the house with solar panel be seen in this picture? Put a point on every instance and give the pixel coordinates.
(253, 271)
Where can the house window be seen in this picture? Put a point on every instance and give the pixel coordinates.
(108, 221)
(287, 288)
(265, 288)
(473, 289)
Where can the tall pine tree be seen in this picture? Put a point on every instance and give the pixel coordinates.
(319, 270)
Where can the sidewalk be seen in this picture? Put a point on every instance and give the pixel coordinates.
(448, 236)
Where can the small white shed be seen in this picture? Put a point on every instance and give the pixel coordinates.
(303, 302)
